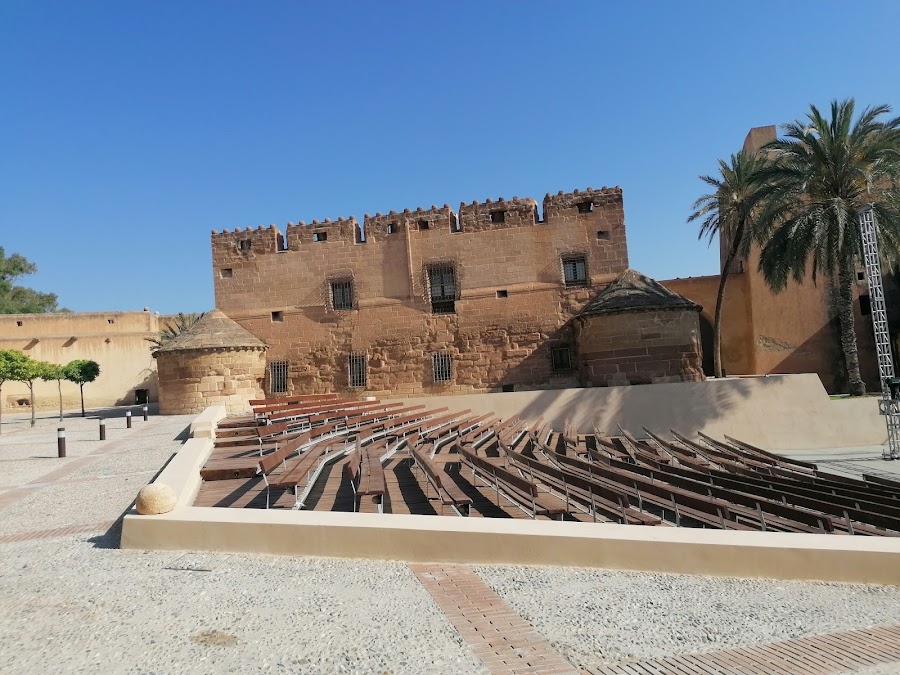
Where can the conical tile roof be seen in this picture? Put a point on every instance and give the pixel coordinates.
(632, 291)
(214, 331)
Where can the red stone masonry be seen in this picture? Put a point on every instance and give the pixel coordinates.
(512, 305)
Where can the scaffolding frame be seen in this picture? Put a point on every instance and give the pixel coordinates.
(888, 406)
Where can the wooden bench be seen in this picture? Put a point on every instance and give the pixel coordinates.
(447, 491)
(520, 490)
(367, 475)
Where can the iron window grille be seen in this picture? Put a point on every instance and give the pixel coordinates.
(574, 271)
(561, 358)
(442, 366)
(442, 289)
(358, 365)
(278, 380)
(342, 294)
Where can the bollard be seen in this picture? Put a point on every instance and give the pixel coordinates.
(145, 413)
(128, 419)
(61, 441)
(102, 429)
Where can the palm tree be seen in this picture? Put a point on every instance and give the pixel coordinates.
(172, 330)
(823, 172)
(729, 212)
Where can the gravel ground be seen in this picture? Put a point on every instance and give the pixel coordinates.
(599, 617)
(78, 604)
(90, 610)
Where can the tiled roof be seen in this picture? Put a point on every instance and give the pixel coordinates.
(632, 291)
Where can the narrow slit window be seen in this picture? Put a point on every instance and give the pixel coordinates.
(865, 305)
(342, 294)
(574, 271)
(278, 371)
(442, 289)
(442, 366)
(561, 358)
(358, 365)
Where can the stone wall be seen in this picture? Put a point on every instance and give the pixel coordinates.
(639, 348)
(190, 381)
(512, 305)
(115, 340)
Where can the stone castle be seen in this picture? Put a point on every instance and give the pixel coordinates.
(498, 296)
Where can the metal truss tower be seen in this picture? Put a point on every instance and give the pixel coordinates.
(889, 406)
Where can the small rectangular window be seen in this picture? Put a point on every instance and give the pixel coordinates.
(110, 321)
(392, 228)
(358, 364)
(442, 366)
(226, 273)
(585, 207)
(320, 236)
(423, 225)
(442, 289)
(245, 245)
(507, 387)
(19, 323)
(561, 358)
(278, 371)
(342, 294)
(277, 316)
(574, 271)
(502, 294)
(498, 216)
(603, 235)
(860, 276)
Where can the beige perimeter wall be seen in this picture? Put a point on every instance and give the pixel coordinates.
(115, 340)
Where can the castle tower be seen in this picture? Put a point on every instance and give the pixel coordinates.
(214, 362)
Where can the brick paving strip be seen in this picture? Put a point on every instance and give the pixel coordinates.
(507, 644)
(502, 639)
(57, 532)
(814, 655)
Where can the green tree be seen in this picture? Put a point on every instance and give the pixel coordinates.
(54, 371)
(13, 365)
(28, 372)
(728, 212)
(81, 371)
(19, 299)
(823, 172)
(174, 328)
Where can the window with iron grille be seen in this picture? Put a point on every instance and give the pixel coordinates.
(574, 271)
(442, 289)
(442, 365)
(342, 294)
(278, 381)
(358, 364)
(561, 358)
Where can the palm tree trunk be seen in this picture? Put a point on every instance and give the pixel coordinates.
(720, 298)
(59, 386)
(848, 332)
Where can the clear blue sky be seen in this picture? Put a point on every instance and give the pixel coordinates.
(129, 130)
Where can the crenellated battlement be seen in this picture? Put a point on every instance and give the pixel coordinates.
(316, 232)
(566, 204)
(477, 216)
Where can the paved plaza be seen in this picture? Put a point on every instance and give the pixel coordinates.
(72, 602)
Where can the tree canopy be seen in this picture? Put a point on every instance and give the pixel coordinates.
(20, 299)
